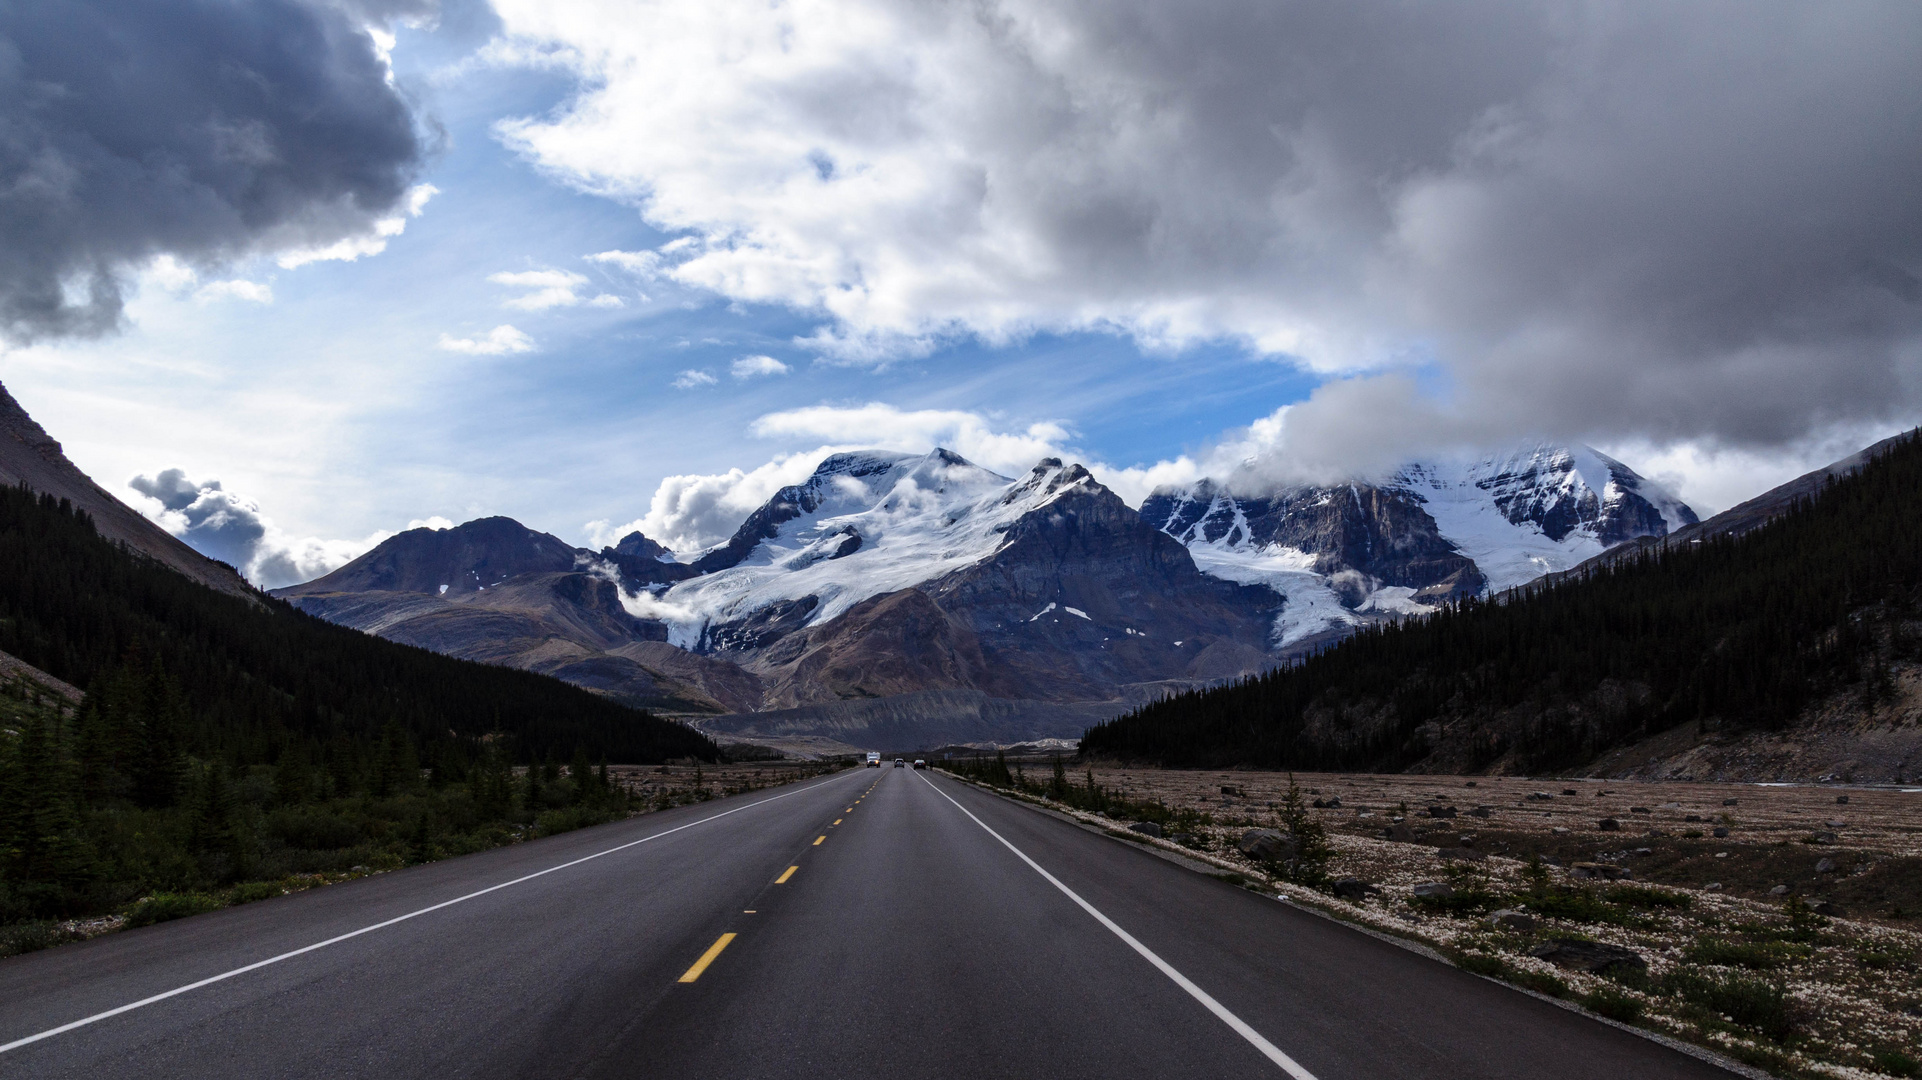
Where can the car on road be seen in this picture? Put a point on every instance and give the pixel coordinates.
(874, 759)
(898, 763)
(920, 763)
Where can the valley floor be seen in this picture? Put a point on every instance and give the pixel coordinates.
(1831, 991)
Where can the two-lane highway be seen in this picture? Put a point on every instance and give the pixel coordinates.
(874, 923)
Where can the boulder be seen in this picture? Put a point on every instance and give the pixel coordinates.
(1638, 810)
(1145, 828)
(1823, 838)
(1836, 824)
(1354, 889)
(1779, 890)
(1266, 845)
(1825, 866)
(1441, 811)
(1609, 824)
(1334, 803)
(1481, 811)
(1440, 889)
(1568, 791)
(1538, 796)
(1593, 957)
(1511, 919)
(1728, 802)
(1719, 832)
(1399, 832)
(1841, 798)
(1471, 783)
(1713, 886)
(1693, 817)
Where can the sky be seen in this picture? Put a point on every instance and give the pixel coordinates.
(293, 275)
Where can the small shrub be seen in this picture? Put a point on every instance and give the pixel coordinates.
(1614, 1004)
(249, 891)
(162, 907)
(1541, 982)
(1897, 1063)
(1641, 896)
(1759, 957)
(32, 937)
(1756, 1004)
(1484, 964)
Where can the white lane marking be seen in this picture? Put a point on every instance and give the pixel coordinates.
(1268, 1049)
(256, 965)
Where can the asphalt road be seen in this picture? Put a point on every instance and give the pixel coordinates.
(930, 932)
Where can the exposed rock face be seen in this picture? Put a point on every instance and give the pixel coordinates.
(1360, 536)
(28, 455)
(1348, 554)
(891, 575)
(1045, 589)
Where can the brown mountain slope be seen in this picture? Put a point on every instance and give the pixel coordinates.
(28, 455)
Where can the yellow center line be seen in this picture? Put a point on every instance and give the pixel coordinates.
(749, 911)
(818, 839)
(786, 874)
(707, 958)
(837, 821)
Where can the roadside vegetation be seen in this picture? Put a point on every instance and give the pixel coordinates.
(1751, 944)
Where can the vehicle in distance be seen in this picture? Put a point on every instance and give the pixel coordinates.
(874, 759)
(920, 763)
(898, 763)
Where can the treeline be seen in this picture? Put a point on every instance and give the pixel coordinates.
(1736, 632)
(256, 675)
(104, 809)
(223, 741)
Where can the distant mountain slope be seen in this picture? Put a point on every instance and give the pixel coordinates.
(1751, 514)
(259, 675)
(1817, 613)
(882, 574)
(1348, 555)
(28, 455)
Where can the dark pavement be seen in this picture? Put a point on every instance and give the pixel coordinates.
(910, 942)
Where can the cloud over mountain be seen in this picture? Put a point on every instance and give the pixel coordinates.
(204, 130)
(223, 525)
(1636, 220)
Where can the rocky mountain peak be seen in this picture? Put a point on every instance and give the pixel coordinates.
(469, 557)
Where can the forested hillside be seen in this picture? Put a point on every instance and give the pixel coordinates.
(1742, 633)
(224, 738)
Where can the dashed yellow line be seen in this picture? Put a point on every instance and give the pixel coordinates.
(818, 839)
(707, 957)
(788, 873)
(837, 821)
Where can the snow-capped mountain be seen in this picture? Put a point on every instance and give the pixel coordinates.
(882, 575)
(1345, 554)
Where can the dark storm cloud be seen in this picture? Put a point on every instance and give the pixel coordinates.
(206, 129)
(1671, 221)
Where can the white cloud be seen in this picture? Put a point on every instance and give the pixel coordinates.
(1609, 222)
(496, 342)
(748, 367)
(643, 264)
(436, 522)
(171, 274)
(691, 512)
(228, 527)
(355, 247)
(692, 378)
(254, 291)
(550, 289)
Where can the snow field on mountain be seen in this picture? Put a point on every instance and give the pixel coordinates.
(918, 519)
